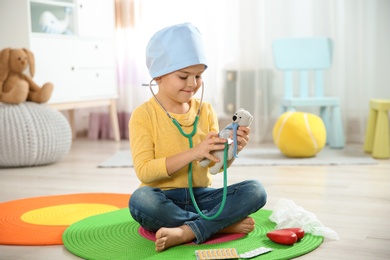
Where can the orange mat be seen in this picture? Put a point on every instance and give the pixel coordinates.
(42, 220)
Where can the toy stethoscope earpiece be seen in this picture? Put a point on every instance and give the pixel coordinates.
(189, 137)
(167, 113)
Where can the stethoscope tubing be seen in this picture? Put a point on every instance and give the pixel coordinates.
(189, 137)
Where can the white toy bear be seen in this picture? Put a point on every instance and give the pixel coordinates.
(240, 118)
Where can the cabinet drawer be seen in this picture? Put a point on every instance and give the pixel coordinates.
(96, 18)
(94, 53)
(71, 65)
(54, 62)
(97, 83)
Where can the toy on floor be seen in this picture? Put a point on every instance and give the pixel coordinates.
(229, 253)
(240, 118)
(287, 214)
(16, 86)
(286, 236)
(299, 134)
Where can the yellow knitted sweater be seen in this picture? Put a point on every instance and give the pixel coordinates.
(154, 137)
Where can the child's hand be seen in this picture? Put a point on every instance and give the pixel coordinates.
(242, 137)
(211, 143)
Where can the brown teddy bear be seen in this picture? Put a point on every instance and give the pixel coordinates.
(15, 86)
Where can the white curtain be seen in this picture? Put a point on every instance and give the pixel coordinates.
(238, 35)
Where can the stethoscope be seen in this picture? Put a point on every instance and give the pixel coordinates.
(189, 137)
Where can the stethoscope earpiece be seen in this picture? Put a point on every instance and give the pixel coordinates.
(166, 112)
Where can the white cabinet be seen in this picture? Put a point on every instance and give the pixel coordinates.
(73, 45)
(80, 69)
(101, 25)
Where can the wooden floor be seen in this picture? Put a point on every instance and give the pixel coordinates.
(353, 200)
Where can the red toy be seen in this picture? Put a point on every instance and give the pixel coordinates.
(286, 236)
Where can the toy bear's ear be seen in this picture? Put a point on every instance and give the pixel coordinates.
(4, 64)
(31, 61)
(250, 120)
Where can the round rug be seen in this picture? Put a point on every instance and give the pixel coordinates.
(115, 235)
(42, 220)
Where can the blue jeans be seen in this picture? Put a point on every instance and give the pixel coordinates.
(154, 208)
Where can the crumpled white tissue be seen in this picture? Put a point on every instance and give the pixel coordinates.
(287, 214)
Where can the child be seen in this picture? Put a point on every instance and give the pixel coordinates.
(162, 154)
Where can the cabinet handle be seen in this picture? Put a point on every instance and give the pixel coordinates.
(97, 75)
(72, 68)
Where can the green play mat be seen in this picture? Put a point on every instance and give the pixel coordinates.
(115, 235)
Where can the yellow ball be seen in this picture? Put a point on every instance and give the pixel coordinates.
(299, 134)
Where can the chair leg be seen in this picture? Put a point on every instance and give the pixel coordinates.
(287, 108)
(381, 149)
(283, 109)
(337, 132)
(370, 131)
(324, 114)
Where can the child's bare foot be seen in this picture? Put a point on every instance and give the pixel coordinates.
(243, 226)
(168, 237)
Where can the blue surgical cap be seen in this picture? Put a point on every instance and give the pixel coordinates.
(174, 48)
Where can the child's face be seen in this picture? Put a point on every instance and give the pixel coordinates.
(181, 85)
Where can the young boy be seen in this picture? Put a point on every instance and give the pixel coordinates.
(173, 130)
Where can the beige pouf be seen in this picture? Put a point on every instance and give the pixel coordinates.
(32, 134)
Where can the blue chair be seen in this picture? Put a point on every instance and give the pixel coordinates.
(309, 57)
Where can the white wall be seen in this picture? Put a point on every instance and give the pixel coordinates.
(239, 33)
